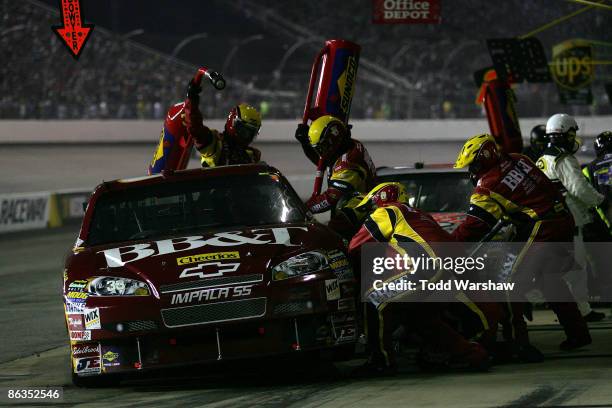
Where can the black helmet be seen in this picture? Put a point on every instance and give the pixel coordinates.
(603, 143)
(537, 138)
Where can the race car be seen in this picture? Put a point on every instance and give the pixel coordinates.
(202, 265)
(438, 189)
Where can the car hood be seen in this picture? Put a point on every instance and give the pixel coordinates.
(195, 256)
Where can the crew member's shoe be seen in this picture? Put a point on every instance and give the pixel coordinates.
(373, 368)
(594, 316)
(476, 359)
(574, 343)
(529, 354)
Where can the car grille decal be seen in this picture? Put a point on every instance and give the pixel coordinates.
(211, 283)
(214, 312)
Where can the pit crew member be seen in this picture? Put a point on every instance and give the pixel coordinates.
(350, 167)
(599, 174)
(393, 220)
(510, 185)
(537, 143)
(562, 168)
(232, 146)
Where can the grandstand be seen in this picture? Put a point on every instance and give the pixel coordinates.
(406, 71)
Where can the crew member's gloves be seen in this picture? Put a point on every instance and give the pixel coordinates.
(301, 133)
(193, 92)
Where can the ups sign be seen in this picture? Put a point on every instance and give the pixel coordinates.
(572, 66)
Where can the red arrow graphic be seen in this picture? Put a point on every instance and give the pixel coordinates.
(73, 32)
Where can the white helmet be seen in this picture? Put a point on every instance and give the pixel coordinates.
(561, 123)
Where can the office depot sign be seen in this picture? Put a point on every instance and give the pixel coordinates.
(406, 11)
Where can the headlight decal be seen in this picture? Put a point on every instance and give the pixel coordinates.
(117, 286)
(302, 264)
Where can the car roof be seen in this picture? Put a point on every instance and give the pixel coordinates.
(419, 168)
(190, 174)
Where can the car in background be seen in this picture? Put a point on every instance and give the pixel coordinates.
(202, 265)
(438, 189)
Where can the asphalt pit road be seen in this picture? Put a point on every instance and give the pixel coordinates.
(277, 371)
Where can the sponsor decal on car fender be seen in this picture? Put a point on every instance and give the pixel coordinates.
(76, 295)
(92, 318)
(77, 285)
(110, 358)
(86, 350)
(74, 307)
(75, 321)
(80, 335)
(87, 365)
(332, 289)
(117, 257)
(339, 263)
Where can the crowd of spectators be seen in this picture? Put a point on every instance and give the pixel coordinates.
(120, 79)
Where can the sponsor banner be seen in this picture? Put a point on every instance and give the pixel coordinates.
(406, 11)
(26, 211)
(572, 66)
(92, 318)
(573, 71)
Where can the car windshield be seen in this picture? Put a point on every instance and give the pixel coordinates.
(165, 209)
(436, 192)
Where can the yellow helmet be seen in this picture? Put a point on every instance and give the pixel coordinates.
(326, 134)
(243, 123)
(472, 147)
(384, 194)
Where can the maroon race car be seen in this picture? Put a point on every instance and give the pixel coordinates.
(202, 265)
(438, 189)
